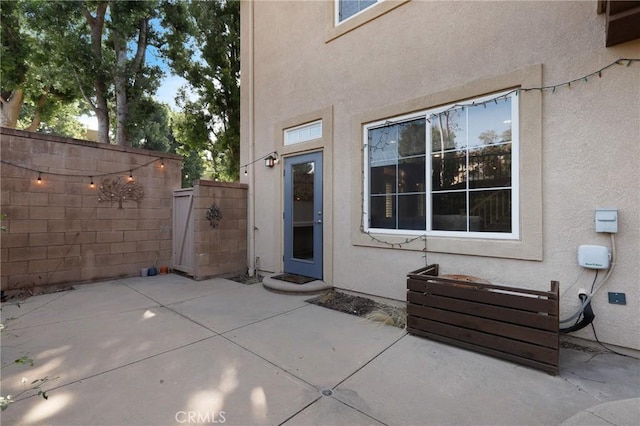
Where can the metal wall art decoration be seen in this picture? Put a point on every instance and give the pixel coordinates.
(214, 215)
(114, 190)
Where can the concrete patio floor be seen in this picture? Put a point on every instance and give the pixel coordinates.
(169, 350)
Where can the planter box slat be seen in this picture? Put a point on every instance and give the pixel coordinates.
(491, 341)
(498, 328)
(512, 316)
(549, 368)
(519, 325)
(484, 294)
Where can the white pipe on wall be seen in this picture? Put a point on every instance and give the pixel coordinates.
(251, 210)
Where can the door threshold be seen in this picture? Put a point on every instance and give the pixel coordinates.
(315, 286)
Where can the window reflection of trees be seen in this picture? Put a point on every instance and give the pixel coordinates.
(303, 182)
(459, 164)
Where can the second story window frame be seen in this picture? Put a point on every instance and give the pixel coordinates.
(362, 6)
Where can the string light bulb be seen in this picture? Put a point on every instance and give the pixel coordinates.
(245, 171)
(130, 175)
(162, 163)
(91, 185)
(39, 178)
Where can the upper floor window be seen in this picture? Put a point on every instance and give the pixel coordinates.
(449, 171)
(347, 8)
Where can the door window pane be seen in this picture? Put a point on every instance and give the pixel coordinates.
(303, 214)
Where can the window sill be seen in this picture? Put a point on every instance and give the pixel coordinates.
(509, 249)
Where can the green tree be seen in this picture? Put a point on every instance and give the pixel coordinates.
(33, 87)
(184, 126)
(60, 118)
(101, 48)
(149, 126)
(203, 46)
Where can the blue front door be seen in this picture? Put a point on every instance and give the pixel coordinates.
(303, 215)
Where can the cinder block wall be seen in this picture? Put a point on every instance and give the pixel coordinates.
(221, 250)
(58, 231)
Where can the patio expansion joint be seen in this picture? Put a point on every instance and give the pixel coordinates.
(91, 376)
(223, 336)
(75, 319)
(582, 389)
(334, 396)
(62, 294)
(170, 309)
(370, 361)
(265, 319)
(300, 411)
(227, 338)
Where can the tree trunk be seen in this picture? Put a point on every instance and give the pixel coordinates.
(100, 107)
(120, 81)
(11, 109)
(37, 117)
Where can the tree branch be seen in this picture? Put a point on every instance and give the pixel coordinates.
(142, 45)
(84, 95)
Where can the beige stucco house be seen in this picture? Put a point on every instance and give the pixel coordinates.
(406, 129)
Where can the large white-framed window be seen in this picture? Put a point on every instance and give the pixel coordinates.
(445, 171)
(345, 9)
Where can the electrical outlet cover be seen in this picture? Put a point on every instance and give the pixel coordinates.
(617, 298)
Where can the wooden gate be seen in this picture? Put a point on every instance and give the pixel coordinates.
(183, 231)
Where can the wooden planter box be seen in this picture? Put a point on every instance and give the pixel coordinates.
(514, 324)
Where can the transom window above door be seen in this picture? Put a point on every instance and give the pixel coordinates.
(448, 171)
(303, 133)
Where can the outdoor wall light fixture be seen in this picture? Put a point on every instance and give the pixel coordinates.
(270, 161)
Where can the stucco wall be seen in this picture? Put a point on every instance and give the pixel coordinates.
(58, 231)
(586, 154)
(223, 249)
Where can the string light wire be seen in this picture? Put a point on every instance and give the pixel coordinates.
(245, 166)
(40, 172)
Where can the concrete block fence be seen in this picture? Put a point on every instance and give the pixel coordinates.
(223, 249)
(59, 232)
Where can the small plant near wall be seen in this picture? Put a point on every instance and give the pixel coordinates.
(214, 215)
(30, 387)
